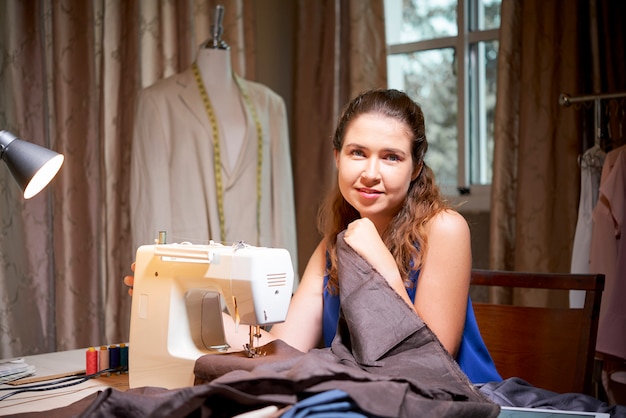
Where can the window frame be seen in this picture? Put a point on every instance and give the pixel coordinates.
(472, 197)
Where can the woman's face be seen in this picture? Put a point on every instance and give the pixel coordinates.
(375, 167)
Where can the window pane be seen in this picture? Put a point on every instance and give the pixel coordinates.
(484, 15)
(429, 78)
(418, 20)
(482, 105)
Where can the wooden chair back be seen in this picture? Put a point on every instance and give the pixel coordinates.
(550, 348)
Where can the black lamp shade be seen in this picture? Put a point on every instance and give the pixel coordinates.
(32, 166)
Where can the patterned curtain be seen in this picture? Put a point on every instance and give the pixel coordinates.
(535, 184)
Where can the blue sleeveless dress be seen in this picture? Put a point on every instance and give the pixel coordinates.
(472, 357)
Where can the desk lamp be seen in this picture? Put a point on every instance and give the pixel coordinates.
(32, 166)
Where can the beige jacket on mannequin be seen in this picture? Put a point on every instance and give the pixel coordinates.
(173, 185)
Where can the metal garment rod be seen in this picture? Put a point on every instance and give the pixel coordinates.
(566, 99)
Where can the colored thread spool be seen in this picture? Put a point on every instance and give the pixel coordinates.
(124, 356)
(104, 358)
(91, 365)
(114, 357)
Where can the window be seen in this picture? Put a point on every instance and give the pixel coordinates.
(443, 53)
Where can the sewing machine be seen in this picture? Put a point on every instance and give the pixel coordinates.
(179, 294)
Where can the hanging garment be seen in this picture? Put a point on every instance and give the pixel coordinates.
(590, 172)
(608, 253)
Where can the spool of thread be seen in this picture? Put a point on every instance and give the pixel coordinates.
(114, 357)
(104, 358)
(91, 365)
(123, 356)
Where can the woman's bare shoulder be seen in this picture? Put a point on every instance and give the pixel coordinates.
(448, 223)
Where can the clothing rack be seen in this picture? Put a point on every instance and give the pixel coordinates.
(566, 100)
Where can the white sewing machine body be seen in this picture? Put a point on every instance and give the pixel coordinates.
(176, 308)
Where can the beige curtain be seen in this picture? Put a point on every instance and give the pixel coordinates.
(69, 72)
(545, 49)
(340, 52)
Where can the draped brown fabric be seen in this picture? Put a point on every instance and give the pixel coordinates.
(546, 48)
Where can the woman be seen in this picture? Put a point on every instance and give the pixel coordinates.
(396, 219)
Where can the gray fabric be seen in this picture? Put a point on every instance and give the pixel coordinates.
(517, 392)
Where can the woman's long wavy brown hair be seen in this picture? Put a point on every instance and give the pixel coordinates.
(405, 237)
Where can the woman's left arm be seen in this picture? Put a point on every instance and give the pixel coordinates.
(443, 284)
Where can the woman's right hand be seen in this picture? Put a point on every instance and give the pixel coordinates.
(130, 280)
(362, 235)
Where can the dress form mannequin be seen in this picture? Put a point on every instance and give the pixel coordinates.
(174, 185)
(216, 72)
